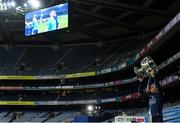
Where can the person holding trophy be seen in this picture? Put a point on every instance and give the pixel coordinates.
(153, 90)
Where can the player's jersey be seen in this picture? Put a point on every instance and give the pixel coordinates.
(155, 104)
(35, 25)
(155, 100)
(51, 24)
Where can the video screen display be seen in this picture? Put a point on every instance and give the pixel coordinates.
(45, 20)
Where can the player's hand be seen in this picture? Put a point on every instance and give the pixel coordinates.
(152, 73)
(141, 79)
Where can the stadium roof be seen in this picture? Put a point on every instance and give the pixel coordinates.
(98, 30)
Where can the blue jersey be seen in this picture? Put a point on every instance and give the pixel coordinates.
(155, 104)
(52, 24)
(28, 29)
(35, 25)
(155, 100)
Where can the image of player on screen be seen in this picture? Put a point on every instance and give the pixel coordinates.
(28, 28)
(35, 24)
(52, 23)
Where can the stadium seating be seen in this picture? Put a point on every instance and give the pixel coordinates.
(37, 116)
(69, 97)
(170, 113)
(73, 65)
(26, 117)
(42, 116)
(87, 71)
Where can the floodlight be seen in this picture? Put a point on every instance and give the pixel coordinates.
(13, 4)
(90, 108)
(25, 4)
(34, 3)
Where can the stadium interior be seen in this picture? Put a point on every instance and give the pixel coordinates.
(84, 73)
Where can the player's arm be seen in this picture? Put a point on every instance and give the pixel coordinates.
(57, 23)
(140, 88)
(44, 19)
(40, 20)
(153, 78)
(47, 25)
(148, 85)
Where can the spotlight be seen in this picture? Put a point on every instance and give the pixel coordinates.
(90, 108)
(25, 4)
(13, 4)
(34, 3)
(9, 4)
(5, 7)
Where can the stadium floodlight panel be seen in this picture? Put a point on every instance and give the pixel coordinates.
(90, 108)
(5, 7)
(34, 3)
(25, 4)
(13, 4)
(97, 107)
(9, 4)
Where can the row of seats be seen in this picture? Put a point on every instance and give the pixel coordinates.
(170, 114)
(38, 116)
(43, 96)
(41, 66)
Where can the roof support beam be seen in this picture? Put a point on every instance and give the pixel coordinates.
(93, 35)
(88, 43)
(93, 24)
(125, 7)
(145, 5)
(109, 20)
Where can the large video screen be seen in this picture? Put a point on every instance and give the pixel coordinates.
(45, 20)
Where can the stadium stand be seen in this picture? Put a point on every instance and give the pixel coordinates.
(85, 72)
(170, 112)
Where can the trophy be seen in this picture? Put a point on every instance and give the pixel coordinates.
(146, 65)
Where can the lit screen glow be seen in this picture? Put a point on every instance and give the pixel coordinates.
(45, 20)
